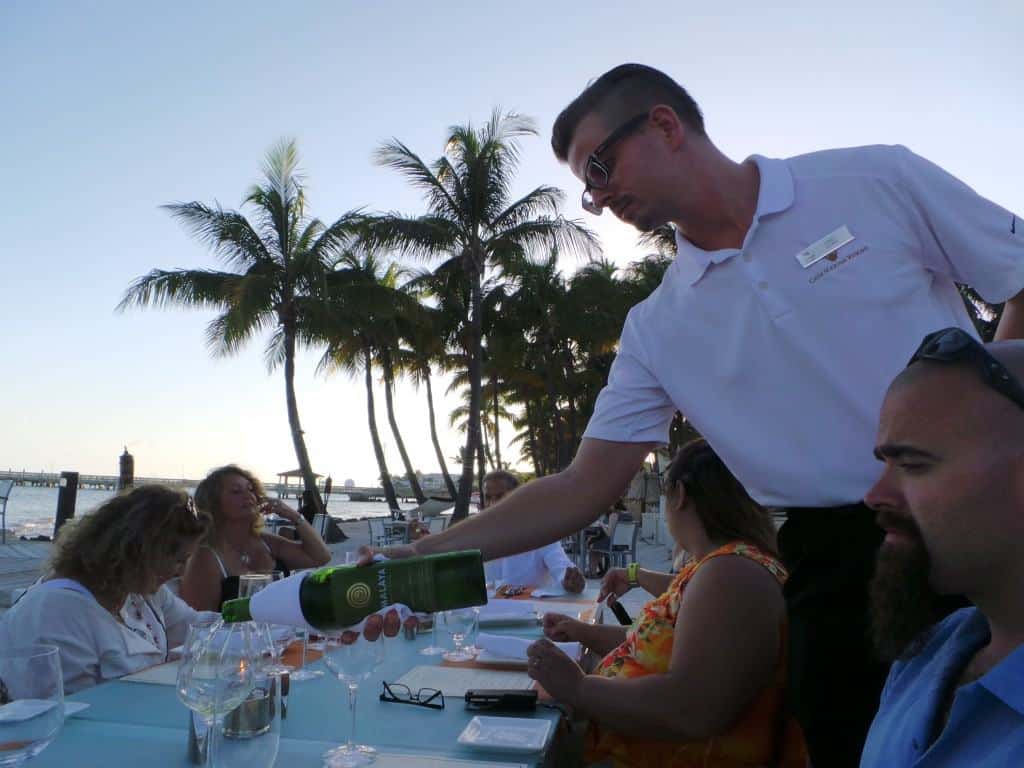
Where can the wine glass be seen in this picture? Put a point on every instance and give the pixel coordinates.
(273, 639)
(31, 701)
(217, 673)
(458, 623)
(352, 658)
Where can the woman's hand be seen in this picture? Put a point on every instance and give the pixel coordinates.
(615, 582)
(552, 668)
(560, 628)
(395, 552)
(573, 581)
(279, 508)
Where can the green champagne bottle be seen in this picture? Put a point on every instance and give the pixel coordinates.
(340, 596)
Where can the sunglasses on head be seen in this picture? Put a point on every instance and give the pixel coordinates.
(955, 345)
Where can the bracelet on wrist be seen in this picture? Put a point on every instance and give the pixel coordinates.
(632, 575)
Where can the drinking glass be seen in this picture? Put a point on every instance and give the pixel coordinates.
(473, 632)
(304, 672)
(251, 583)
(433, 649)
(458, 623)
(217, 673)
(31, 701)
(272, 639)
(352, 658)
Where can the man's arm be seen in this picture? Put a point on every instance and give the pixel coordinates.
(548, 508)
(1011, 324)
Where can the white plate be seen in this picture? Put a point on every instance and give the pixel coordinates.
(74, 707)
(506, 734)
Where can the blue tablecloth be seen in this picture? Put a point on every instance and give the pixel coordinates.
(145, 724)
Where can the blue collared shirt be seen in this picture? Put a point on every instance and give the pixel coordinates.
(986, 720)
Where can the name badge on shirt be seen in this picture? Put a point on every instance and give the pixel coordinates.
(833, 241)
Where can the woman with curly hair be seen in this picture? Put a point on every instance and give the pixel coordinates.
(235, 500)
(103, 601)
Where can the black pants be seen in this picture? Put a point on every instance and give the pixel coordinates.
(835, 677)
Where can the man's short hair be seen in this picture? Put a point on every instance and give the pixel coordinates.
(622, 93)
(510, 480)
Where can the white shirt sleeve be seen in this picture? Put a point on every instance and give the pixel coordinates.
(633, 407)
(962, 235)
(556, 561)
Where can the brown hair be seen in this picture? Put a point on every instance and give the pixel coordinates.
(208, 493)
(511, 481)
(117, 548)
(621, 93)
(723, 506)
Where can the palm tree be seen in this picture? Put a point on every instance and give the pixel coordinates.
(474, 224)
(353, 314)
(280, 256)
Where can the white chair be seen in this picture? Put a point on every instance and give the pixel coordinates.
(6, 486)
(382, 535)
(436, 524)
(621, 546)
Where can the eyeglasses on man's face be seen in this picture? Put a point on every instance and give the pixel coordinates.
(397, 693)
(954, 345)
(596, 173)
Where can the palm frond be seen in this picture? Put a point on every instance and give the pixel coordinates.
(228, 234)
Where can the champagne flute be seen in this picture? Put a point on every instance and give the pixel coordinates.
(352, 659)
(32, 700)
(216, 673)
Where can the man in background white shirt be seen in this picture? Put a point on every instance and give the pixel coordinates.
(548, 565)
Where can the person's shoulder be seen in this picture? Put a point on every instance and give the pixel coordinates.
(52, 608)
(738, 577)
(878, 161)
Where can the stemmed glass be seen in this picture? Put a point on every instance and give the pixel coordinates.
(458, 623)
(272, 638)
(352, 658)
(31, 701)
(218, 670)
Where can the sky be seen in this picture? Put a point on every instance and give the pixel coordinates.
(110, 109)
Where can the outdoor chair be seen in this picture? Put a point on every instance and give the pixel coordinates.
(435, 524)
(621, 548)
(381, 536)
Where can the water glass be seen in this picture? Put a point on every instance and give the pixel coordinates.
(31, 701)
(250, 735)
(433, 649)
(458, 623)
(351, 658)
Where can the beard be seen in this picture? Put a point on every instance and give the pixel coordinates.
(904, 607)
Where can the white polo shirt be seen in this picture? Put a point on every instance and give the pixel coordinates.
(538, 567)
(783, 367)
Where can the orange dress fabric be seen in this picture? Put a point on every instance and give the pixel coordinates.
(762, 736)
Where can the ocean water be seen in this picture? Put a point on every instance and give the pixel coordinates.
(31, 511)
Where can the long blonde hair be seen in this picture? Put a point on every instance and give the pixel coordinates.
(208, 494)
(119, 547)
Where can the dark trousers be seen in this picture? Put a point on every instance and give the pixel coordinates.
(835, 677)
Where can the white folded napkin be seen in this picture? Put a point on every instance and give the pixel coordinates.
(555, 590)
(514, 648)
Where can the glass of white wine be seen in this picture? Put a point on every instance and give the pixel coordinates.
(459, 624)
(31, 701)
(216, 674)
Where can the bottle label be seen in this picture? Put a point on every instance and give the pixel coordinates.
(278, 603)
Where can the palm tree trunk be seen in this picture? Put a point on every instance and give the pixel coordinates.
(306, 467)
(486, 444)
(414, 482)
(378, 449)
(497, 429)
(449, 484)
(473, 424)
(481, 471)
(571, 396)
(531, 437)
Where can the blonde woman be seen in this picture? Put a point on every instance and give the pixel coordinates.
(235, 500)
(104, 602)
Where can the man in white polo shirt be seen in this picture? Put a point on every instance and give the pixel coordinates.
(801, 287)
(546, 566)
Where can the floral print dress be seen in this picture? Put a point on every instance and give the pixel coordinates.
(763, 736)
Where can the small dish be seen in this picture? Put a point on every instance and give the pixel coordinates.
(506, 734)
